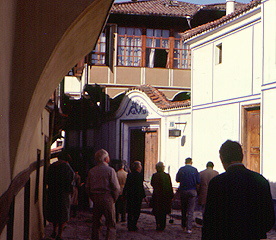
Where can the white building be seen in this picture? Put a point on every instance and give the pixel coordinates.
(147, 127)
(234, 86)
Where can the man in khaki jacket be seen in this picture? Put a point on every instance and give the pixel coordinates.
(103, 189)
(205, 177)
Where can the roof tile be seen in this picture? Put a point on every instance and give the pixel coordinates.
(168, 8)
(156, 7)
(159, 99)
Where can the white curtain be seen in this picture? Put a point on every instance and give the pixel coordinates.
(152, 54)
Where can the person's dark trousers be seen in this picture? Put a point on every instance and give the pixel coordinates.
(188, 199)
(160, 219)
(74, 209)
(133, 216)
(121, 209)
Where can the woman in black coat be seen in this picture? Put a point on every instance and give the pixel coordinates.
(162, 196)
(59, 179)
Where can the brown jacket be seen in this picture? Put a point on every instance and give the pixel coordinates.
(205, 177)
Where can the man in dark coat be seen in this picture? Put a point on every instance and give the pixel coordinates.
(134, 192)
(162, 196)
(239, 203)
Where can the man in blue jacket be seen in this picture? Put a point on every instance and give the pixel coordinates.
(189, 179)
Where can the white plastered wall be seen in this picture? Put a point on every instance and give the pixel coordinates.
(269, 90)
(174, 150)
(211, 127)
(219, 90)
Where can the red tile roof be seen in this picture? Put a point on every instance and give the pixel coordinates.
(219, 22)
(156, 7)
(159, 99)
(168, 8)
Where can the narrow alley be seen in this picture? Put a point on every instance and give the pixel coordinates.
(79, 228)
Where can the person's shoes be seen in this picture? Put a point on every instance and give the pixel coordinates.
(199, 221)
(53, 235)
(189, 231)
(159, 229)
(133, 229)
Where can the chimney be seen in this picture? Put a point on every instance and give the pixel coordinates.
(230, 6)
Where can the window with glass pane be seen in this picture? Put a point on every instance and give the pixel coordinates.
(98, 54)
(157, 43)
(129, 47)
(181, 54)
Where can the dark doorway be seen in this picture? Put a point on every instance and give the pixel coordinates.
(137, 146)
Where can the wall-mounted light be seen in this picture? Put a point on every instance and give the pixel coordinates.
(174, 132)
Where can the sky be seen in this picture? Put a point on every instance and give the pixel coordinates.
(199, 1)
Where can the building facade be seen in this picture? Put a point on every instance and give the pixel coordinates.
(233, 86)
(140, 47)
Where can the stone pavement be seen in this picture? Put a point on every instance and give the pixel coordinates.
(79, 228)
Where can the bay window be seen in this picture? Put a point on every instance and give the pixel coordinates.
(143, 47)
(181, 54)
(98, 55)
(129, 47)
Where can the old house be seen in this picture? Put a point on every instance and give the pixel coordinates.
(139, 60)
(233, 86)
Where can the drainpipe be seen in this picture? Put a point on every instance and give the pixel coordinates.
(230, 6)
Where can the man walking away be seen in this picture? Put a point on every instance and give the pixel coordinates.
(205, 177)
(239, 203)
(103, 189)
(188, 177)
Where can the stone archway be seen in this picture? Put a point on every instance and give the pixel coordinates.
(41, 41)
(31, 91)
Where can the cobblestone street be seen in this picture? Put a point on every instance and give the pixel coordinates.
(79, 228)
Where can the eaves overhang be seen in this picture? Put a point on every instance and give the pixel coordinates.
(196, 34)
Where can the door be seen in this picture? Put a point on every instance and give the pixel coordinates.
(151, 154)
(252, 138)
(144, 148)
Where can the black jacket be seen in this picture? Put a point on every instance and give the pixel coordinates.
(239, 206)
(134, 189)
